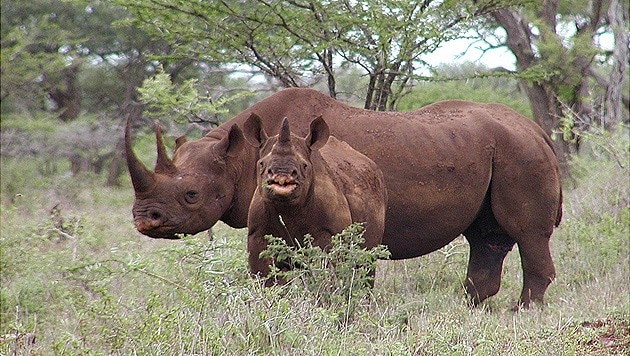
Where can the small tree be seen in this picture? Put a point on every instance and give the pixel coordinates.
(182, 102)
(39, 63)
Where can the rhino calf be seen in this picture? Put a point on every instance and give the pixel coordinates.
(316, 185)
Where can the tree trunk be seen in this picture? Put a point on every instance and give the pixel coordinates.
(379, 91)
(67, 100)
(613, 103)
(330, 72)
(371, 89)
(547, 112)
(559, 93)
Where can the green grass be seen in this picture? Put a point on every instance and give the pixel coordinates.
(81, 280)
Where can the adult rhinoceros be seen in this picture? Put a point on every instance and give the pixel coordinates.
(451, 168)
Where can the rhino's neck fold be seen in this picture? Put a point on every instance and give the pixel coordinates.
(243, 172)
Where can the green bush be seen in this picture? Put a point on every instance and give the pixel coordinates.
(340, 276)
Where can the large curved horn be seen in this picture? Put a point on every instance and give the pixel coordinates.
(141, 177)
(163, 164)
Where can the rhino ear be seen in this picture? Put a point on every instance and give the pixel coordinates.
(318, 135)
(179, 142)
(232, 143)
(253, 130)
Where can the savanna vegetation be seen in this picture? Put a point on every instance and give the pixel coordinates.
(76, 278)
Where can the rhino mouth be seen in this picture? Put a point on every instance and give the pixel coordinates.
(161, 233)
(157, 232)
(282, 187)
(164, 236)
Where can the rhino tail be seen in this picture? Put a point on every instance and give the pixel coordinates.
(559, 212)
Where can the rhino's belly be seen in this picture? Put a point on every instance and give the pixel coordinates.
(423, 218)
(415, 237)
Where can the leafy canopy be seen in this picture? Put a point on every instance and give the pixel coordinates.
(302, 42)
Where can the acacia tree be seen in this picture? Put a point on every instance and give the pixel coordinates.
(565, 70)
(300, 42)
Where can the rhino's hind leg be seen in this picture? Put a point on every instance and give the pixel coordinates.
(538, 270)
(489, 245)
(532, 237)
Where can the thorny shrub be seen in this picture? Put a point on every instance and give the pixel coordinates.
(341, 276)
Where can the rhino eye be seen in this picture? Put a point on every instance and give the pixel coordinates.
(191, 196)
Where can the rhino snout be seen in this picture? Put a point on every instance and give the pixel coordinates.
(152, 220)
(280, 173)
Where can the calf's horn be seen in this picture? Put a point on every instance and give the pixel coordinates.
(163, 164)
(285, 132)
(141, 177)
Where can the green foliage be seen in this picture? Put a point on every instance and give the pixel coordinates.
(300, 44)
(39, 39)
(42, 38)
(563, 59)
(595, 139)
(43, 123)
(556, 61)
(341, 276)
(181, 102)
(22, 74)
(596, 222)
(102, 88)
(605, 236)
(51, 146)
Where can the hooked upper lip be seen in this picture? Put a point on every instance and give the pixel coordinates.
(281, 185)
(161, 232)
(281, 180)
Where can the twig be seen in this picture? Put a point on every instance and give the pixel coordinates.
(164, 279)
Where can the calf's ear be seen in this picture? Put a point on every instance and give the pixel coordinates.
(253, 131)
(318, 136)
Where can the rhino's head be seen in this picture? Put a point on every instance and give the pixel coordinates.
(285, 171)
(189, 193)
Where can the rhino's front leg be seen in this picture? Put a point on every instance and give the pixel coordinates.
(258, 266)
